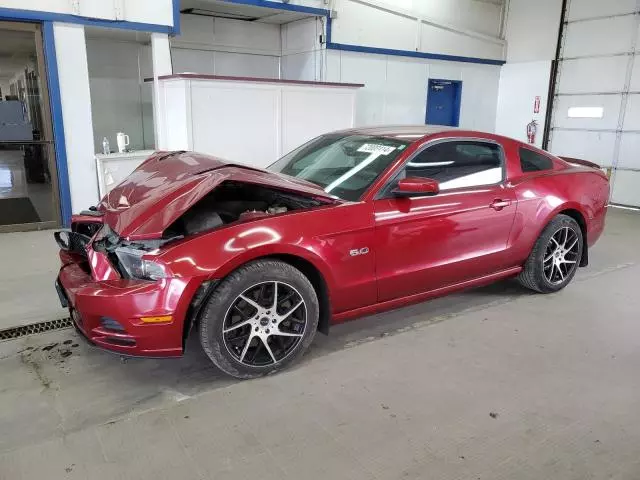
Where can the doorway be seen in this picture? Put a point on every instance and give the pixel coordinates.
(443, 102)
(28, 178)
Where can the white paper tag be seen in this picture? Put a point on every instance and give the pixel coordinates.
(375, 148)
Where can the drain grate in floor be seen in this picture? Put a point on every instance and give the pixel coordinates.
(41, 327)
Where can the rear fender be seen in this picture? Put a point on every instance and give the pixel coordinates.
(582, 221)
(564, 207)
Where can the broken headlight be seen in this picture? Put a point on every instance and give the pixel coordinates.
(135, 266)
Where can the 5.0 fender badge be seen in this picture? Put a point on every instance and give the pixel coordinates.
(359, 251)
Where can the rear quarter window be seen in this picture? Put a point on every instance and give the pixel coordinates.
(531, 161)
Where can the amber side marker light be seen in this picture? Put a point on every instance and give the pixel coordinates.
(161, 319)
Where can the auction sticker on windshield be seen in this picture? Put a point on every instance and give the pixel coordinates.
(376, 148)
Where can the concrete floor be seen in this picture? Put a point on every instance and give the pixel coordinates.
(494, 383)
(30, 264)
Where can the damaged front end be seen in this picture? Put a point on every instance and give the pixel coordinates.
(108, 255)
(232, 202)
(228, 204)
(128, 257)
(121, 295)
(118, 296)
(89, 244)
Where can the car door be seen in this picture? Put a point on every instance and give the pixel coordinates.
(461, 233)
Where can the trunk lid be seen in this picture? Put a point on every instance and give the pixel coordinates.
(165, 185)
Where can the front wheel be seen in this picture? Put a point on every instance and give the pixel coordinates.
(555, 257)
(261, 318)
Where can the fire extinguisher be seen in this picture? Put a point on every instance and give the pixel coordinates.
(532, 129)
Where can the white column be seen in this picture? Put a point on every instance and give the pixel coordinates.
(161, 61)
(73, 73)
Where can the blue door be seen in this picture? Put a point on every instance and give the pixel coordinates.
(443, 102)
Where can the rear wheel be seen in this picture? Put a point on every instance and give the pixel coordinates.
(261, 318)
(555, 258)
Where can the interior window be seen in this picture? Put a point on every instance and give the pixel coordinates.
(531, 161)
(458, 164)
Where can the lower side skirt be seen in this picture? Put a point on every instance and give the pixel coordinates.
(420, 297)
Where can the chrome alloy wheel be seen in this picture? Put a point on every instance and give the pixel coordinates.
(265, 323)
(561, 255)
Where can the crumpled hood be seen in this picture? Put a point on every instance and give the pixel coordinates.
(167, 184)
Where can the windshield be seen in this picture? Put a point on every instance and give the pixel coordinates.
(344, 165)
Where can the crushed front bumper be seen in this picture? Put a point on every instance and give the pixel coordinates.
(112, 314)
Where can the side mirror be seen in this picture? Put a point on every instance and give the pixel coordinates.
(416, 187)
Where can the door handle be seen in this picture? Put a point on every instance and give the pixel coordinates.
(499, 204)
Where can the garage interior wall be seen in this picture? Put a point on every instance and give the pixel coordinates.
(221, 46)
(395, 86)
(526, 74)
(599, 69)
(303, 55)
(469, 28)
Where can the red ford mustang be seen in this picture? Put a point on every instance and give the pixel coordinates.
(351, 223)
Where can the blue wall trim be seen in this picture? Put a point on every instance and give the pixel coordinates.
(55, 101)
(282, 6)
(410, 53)
(176, 18)
(329, 29)
(37, 16)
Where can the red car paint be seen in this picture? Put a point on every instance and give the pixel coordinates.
(418, 247)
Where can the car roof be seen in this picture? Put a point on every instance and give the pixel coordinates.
(400, 131)
(416, 133)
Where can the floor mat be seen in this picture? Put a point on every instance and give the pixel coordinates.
(14, 211)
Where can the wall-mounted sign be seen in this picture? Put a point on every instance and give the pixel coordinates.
(536, 105)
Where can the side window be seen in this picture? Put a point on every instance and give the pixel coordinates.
(458, 164)
(531, 161)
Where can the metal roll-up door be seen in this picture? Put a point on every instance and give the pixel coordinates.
(596, 104)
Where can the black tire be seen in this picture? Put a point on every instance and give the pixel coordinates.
(225, 296)
(534, 275)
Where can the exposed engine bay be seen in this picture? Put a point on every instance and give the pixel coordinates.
(234, 201)
(230, 202)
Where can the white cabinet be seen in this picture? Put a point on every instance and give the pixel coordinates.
(115, 167)
(249, 120)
